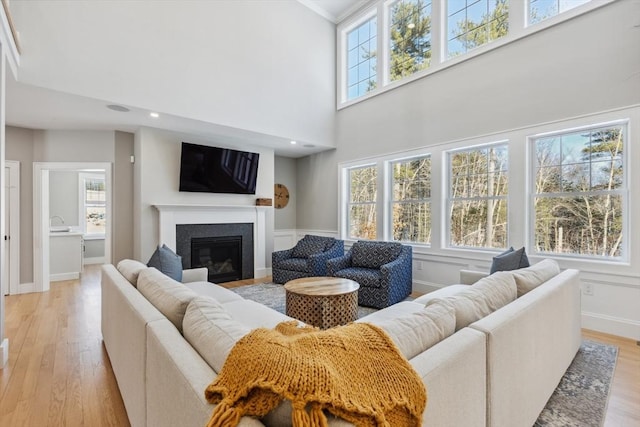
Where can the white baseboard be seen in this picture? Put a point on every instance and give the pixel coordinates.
(263, 272)
(4, 353)
(93, 260)
(25, 288)
(64, 276)
(611, 325)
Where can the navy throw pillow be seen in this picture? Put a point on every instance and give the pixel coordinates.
(167, 261)
(510, 260)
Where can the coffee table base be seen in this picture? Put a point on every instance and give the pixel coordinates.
(323, 311)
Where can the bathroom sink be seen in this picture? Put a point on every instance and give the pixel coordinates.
(60, 229)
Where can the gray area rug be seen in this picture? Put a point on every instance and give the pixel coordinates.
(580, 400)
(273, 296)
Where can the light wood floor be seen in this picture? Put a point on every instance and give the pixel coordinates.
(59, 373)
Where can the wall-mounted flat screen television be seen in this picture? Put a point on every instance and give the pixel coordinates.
(207, 169)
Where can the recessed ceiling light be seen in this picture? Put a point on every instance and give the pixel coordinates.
(154, 115)
(294, 142)
(119, 108)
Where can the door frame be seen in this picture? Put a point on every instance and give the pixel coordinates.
(41, 214)
(13, 192)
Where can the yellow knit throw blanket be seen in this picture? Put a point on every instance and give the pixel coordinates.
(354, 372)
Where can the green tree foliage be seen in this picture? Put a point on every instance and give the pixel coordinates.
(362, 202)
(492, 26)
(410, 38)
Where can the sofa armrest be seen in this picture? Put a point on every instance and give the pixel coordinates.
(336, 264)
(278, 256)
(195, 275)
(318, 262)
(454, 372)
(400, 269)
(469, 277)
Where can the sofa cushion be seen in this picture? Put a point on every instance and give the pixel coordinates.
(510, 260)
(441, 293)
(130, 269)
(482, 298)
(167, 261)
(294, 264)
(413, 333)
(217, 292)
(170, 297)
(374, 254)
(365, 277)
(530, 278)
(211, 330)
(310, 245)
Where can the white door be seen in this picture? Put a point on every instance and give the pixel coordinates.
(5, 239)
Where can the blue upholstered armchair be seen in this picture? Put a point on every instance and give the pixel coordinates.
(308, 258)
(383, 270)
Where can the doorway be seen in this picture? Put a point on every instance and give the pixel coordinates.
(41, 214)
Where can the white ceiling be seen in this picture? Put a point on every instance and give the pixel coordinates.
(41, 108)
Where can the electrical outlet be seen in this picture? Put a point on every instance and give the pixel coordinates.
(588, 289)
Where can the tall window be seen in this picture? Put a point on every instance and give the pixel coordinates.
(409, 37)
(93, 204)
(474, 23)
(362, 202)
(477, 202)
(540, 10)
(411, 200)
(579, 192)
(362, 58)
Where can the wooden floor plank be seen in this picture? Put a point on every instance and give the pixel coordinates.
(59, 373)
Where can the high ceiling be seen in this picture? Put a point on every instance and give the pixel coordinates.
(43, 108)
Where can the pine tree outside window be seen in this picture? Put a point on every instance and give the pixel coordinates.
(579, 192)
(475, 23)
(409, 37)
(361, 209)
(411, 200)
(477, 201)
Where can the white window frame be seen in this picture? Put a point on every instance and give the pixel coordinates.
(623, 192)
(390, 200)
(519, 27)
(569, 12)
(449, 200)
(82, 205)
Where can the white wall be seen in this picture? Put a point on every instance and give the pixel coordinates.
(63, 197)
(264, 66)
(285, 173)
(583, 66)
(157, 177)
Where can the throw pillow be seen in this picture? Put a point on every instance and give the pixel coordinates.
(167, 261)
(170, 297)
(414, 333)
(530, 278)
(510, 260)
(308, 246)
(211, 330)
(130, 269)
(483, 298)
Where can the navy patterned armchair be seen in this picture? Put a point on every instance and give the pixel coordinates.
(308, 258)
(383, 270)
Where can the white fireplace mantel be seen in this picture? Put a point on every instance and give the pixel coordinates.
(172, 215)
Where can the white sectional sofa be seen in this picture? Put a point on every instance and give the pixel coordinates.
(497, 371)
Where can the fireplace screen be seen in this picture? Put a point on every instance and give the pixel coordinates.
(221, 255)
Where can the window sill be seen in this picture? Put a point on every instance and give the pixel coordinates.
(93, 237)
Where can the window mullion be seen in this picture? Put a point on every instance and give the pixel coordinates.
(438, 33)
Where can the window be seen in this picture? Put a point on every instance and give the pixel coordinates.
(409, 37)
(579, 192)
(411, 200)
(539, 10)
(474, 23)
(362, 58)
(362, 202)
(477, 202)
(93, 203)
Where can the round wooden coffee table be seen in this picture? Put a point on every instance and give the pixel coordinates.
(324, 302)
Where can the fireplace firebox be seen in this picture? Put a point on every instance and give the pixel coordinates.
(222, 256)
